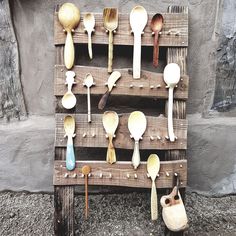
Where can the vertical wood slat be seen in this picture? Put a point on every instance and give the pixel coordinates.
(179, 56)
(63, 195)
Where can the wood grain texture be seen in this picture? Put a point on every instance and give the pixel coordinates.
(176, 23)
(149, 82)
(95, 133)
(119, 172)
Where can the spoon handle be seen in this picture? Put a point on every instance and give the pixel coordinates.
(136, 155)
(103, 100)
(137, 56)
(111, 154)
(69, 51)
(170, 115)
(156, 49)
(90, 45)
(110, 51)
(154, 206)
(89, 104)
(70, 155)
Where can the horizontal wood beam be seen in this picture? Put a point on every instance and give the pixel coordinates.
(120, 174)
(150, 84)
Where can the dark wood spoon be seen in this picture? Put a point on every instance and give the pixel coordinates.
(156, 26)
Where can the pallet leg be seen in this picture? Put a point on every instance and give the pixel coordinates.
(64, 211)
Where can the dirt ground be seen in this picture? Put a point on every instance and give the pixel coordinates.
(114, 214)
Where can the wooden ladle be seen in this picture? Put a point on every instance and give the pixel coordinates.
(69, 17)
(138, 21)
(69, 126)
(156, 26)
(137, 124)
(110, 121)
(110, 18)
(171, 78)
(89, 23)
(69, 99)
(153, 167)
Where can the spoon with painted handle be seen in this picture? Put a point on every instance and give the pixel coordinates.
(138, 21)
(69, 17)
(171, 78)
(89, 23)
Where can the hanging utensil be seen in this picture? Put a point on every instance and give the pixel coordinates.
(138, 21)
(156, 26)
(88, 82)
(69, 126)
(171, 78)
(110, 18)
(153, 167)
(85, 171)
(69, 99)
(89, 23)
(110, 122)
(110, 83)
(137, 124)
(69, 17)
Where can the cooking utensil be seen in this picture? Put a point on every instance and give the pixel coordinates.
(110, 18)
(173, 212)
(137, 124)
(153, 167)
(69, 126)
(69, 99)
(88, 82)
(69, 17)
(156, 26)
(171, 78)
(86, 170)
(110, 122)
(138, 21)
(89, 23)
(110, 83)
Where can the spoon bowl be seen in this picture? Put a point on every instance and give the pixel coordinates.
(88, 82)
(171, 74)
(68, 100)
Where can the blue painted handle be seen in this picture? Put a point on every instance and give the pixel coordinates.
(70, 157)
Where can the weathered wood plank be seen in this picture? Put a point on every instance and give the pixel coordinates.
(95, 133)
(116, 174)
(173, 24)
(149, 85)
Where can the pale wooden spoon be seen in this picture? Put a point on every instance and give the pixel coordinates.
(110, 121)
(153, 167)
(89, 23)
(171, 78)
(69, 17)
(138, 21)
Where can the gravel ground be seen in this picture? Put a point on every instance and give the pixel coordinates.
(114, 214)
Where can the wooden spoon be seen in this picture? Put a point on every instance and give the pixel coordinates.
(69, 126)
(69, 17)
(69, 99)
(86, 170)
(138, 21)
(153, 167)
(171, 78)
(110, 122)
(110, 83)
(89, 23)
(156, 26)
(110, 17)
(88, 82)
(137, 124)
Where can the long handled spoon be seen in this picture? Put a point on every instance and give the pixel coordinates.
(88, 82)
(69, 17)
(69, 126)
(110, 17)
(86, 170)
(69, 99)
(89, 23)
(138, 21)
(153, 167)
(137, 124)
(171, 78)
(110, 122)
(156, 26)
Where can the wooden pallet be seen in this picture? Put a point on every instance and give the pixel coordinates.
(175, 37)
